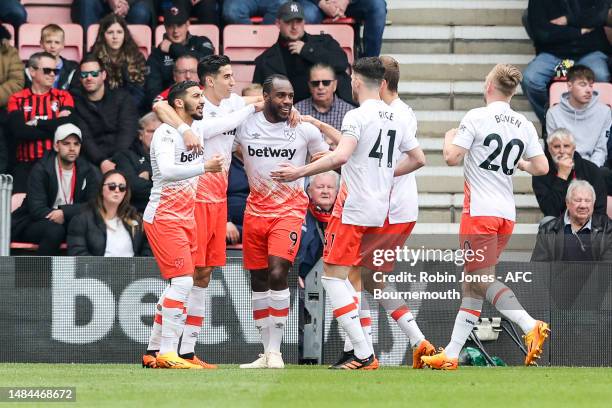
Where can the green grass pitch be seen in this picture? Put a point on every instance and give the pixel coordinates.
(122, 385)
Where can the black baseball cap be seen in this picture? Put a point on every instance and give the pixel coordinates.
(175, 16)
(290, 11)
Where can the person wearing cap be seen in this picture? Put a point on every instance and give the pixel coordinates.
(241, 11)
(177, 41)
(88, 12)
(59, 185)
(373, 13)
(108, 124)
(296, 51)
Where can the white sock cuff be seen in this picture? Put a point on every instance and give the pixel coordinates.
(471, 303)
(260, 295)
(494, 289)
(279, 295)
(179, 288)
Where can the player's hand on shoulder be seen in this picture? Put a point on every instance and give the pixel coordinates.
(294, 117)
(259, 106)
(451, 133)
(192, 142)
(285, 173)
(215, 164)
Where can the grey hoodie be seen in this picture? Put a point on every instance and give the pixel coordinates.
(590, 126)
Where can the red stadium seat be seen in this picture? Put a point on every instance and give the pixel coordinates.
(47, 2)
(208, 30)
(27, 246)
(45, 14)
(245, 42)
(559, 88)
(243, 75)
(17, 200)
(140, 33)
(11, 30)
(29, 40)
(343, 20)
(256, 19)
(342, 33)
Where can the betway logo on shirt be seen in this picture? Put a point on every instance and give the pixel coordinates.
(271, 152)
(189, 157)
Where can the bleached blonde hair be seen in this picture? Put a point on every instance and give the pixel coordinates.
(505, 78)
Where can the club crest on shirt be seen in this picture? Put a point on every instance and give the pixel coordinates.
(54, 106)
(179, 262)
(290, 134)
(212, 114)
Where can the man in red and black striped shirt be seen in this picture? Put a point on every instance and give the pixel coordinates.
(34, 114)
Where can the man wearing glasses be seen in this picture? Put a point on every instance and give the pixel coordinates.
(185, 69)
(108, 124)
(34, 114)
(323, 104)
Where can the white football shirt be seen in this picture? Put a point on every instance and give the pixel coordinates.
(367, 177)
(404, 205)
(264, 146)
(496, 138)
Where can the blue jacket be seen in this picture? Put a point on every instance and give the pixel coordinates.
(311, 245)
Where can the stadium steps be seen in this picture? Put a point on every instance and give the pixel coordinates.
(456, 12)
(416, 39)
(442, 179)
(450, 95)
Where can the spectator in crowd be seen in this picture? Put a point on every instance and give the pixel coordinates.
(579, 233)
(135, 163)
(52, 41)
(185, 69)
(241, 11)
(205, 11)
(237, 193)
(34, 114)
(581, 112)
(296, 51)
(323, 104)
(13, 12)
(11, 81)
(373, 13)
(108, 121)
(322, 190)
(565, 165)
(177, 41)
(252, 90)
(88, 12)
(109, 226)
(571, 29)
(120, 57)
(60, 184)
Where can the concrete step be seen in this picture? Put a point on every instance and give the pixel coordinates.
(450, 95)
(440, 179)
(446, 236)
(457, 67)
(436, 123)
(456, 40)
(456, 12)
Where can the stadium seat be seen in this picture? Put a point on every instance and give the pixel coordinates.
(11, 30)
(28, 246)
(29, 40)
(140, 33)
(243, 75)
(256, 19)
(243, 43)
(209, 30)
(343, 20)
(48, 11)
(342, 33)
(559, 88)
(17, 200)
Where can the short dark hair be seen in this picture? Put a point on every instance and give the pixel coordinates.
(392, 72)
(187, 55)
(177, 91)
(211, 64)
(371, 69)
(580, 72)
(267, 85)
(35, 58)
(91, 57)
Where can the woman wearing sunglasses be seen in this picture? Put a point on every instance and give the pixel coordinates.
(123, 62)
(110, 226)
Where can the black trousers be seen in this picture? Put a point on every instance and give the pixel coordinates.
(47, 234)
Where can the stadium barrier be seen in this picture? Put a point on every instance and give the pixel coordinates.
(92, 310)
(6, 189)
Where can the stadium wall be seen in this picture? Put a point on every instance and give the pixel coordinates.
(91, 310)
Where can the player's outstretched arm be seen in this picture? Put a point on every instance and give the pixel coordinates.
(536, 166)
(452, 153)
(414, 160)
(249, 100)
(328, 130)
(288, 172)
(167, 115)
(214, 126)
